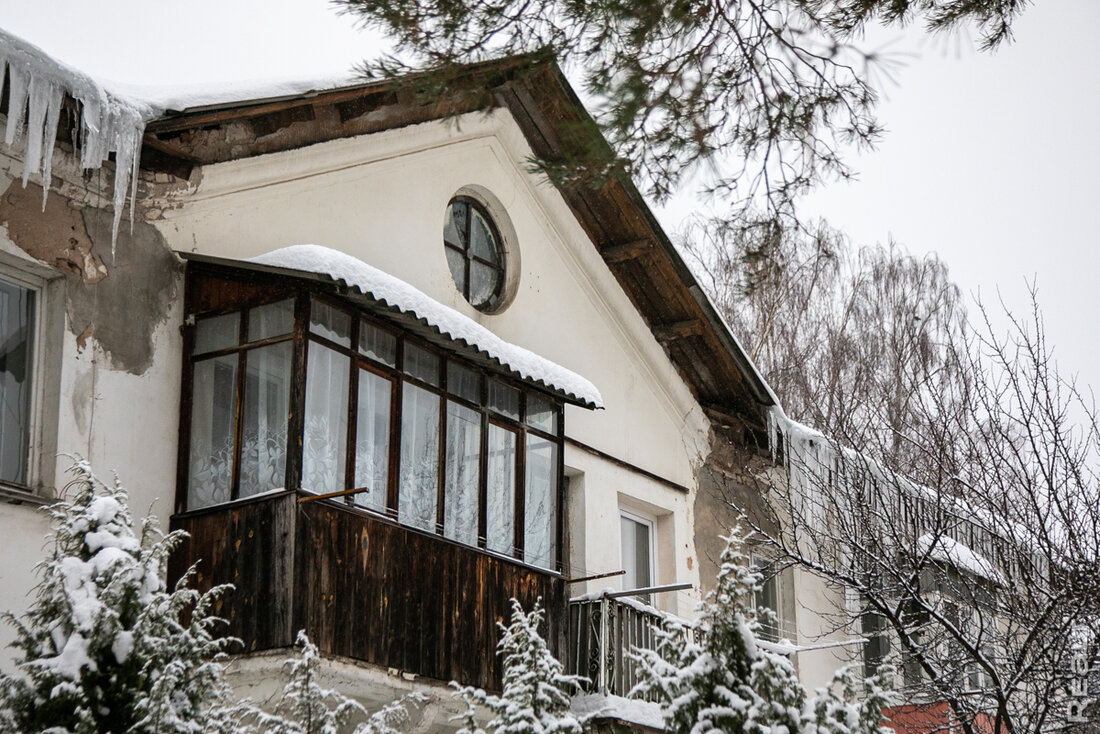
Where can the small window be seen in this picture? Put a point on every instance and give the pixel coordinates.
(17, 312)
(767, 597)
(475, 253)
(636, 533)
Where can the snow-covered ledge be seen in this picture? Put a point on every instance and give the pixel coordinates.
(628, 710)
(407, 299)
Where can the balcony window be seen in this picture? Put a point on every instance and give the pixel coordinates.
(636, 532)
(240, 371)
(312, 394)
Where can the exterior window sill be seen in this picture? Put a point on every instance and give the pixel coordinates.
(14, 494)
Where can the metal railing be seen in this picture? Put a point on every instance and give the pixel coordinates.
(605, 631)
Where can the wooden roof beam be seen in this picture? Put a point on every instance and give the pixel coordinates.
(665, 333)
(626, 251)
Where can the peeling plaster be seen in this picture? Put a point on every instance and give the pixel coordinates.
(117, 300)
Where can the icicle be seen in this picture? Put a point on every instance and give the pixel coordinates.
(40, 96)
(53, 118)
(17, 102)
(108, 123)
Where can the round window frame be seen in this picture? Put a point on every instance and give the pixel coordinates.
(499, 298)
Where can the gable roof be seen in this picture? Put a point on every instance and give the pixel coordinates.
(556, 125)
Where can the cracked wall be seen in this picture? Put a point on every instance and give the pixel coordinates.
(116, 298)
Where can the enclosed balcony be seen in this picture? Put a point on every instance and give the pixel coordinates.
(357, 471)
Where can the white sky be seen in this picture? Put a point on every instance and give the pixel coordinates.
(990, 160)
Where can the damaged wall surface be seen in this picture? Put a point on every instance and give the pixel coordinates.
(118, 299)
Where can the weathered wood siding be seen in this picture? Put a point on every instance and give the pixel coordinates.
(364, 588)
(377, 591)
(251, 546)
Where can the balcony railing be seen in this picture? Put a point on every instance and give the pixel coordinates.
(363, 587)
(605, 632)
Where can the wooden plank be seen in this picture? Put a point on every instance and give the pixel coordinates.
(675, 330)
(626, 251)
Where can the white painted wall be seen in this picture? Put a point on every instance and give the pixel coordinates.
(126, 425)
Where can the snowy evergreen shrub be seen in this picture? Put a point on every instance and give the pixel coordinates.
(308, 708)
(851, 704)
(723, 681)
(536, 690)
(104, 646)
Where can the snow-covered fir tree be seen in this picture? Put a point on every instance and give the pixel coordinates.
(104, 646)
(306, 707)
(851, 704)
(722, 680)
(536, 690)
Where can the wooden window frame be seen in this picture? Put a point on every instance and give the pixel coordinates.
(301, 336)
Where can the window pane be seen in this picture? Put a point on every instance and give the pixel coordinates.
(635, 554)
(377, 344)
(16, 327)
(266, 409)
(542, 414)
(454, 227)
(463, 382)
(330, 323)
(419, 478)
(422, 364)
(482, 242)
(504, 399)
(501, 493)
(483, 282)
(217, 333)
(213, 400)
(274, 319)
(456, 261)
(372, 440)
(463, 451)
(540, 503)
(324, 448)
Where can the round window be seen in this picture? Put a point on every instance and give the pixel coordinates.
(475, 253)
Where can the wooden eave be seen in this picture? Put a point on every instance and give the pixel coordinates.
(614, 215)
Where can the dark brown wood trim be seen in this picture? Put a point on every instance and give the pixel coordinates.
(665, 333)
(625, 464)
(626, 251)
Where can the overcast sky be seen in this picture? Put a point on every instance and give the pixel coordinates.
(991, 160)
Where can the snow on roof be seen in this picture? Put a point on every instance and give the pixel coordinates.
(180, 98)
(949, 550)
(405, 298)
(642, 713)
(109, 123)
(113, 116)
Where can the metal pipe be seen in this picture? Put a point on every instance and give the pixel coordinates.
(596, 576)
(647, 590)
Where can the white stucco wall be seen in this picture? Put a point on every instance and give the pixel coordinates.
(125, 424)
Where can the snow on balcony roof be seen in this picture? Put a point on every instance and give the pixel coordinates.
(404, 298)
(949, 550)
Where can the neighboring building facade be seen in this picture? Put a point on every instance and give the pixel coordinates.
(475, 385)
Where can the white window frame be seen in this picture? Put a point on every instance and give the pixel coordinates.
(651, 522)
(45, 382)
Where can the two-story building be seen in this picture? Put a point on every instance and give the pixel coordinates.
(384, 372)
